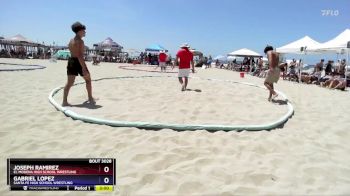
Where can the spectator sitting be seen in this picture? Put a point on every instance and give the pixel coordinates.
(335, 82)
(258, 67)
(315, 76)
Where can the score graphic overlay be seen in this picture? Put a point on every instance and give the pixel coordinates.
(92, 174)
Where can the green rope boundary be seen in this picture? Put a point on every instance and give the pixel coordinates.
(132, 68)
(181, 127)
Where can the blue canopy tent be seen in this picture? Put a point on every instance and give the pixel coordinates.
(62, 54)
(155, 48)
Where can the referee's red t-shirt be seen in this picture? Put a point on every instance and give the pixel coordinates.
(186, 57)
(162, 57)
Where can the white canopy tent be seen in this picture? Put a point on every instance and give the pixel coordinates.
(108, 45)
(220, 58)
(244, 52)
(133, 52)
(196, 52)
(231, 58)
(336, 44)
(299, 47)
(295, 47)
(19, 38)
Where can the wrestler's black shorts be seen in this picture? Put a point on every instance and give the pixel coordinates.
(74, 67)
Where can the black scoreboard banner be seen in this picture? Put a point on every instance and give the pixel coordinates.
(78, 174)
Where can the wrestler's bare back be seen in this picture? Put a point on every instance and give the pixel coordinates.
(273, 59)
(76, 47)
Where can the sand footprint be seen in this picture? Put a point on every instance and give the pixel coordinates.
(316, 172)
(141, 158)
(192, 187)
(147, 179)
(119, 145)
(167, 161)
(202, 162)
(182, 151)
(197, 110)
(183, 111)
(245, 191)
(154, 139)
(261, 179)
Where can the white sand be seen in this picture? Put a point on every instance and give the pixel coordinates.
(161, 100)
(309, 155)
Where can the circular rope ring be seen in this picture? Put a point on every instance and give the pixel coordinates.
(155, 125)
(31, 67)
(125, 67)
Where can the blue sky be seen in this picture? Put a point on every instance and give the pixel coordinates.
(212, 26)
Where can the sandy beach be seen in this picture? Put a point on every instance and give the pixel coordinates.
(309, 155)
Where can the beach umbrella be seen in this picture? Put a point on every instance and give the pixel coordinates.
(62, 54)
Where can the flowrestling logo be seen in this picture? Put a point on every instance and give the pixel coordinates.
(330, 12)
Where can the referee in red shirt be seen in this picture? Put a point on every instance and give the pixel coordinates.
(162, 61)
(184, 58)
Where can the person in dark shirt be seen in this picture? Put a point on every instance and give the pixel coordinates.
(329, 67)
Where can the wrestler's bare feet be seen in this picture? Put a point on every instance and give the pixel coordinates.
(93, 100)
(274, 96)
(65, 104)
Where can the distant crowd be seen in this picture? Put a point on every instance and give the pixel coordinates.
(329, 75)
(21, 53)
